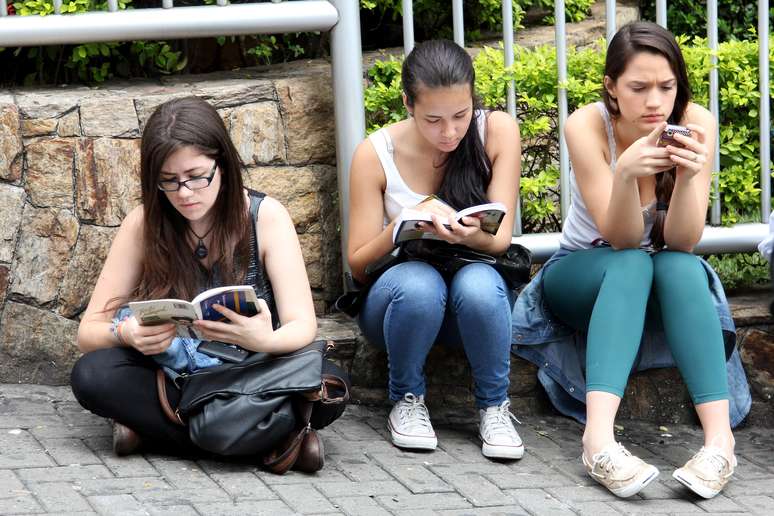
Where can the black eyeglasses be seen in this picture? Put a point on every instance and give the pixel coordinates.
(195, 183)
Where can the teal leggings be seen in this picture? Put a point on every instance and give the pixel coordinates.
(605, 293)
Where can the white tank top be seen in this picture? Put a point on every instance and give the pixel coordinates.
(579, 230)
(397, 194)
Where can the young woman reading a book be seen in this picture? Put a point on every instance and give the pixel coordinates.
(197, 228)
(450, 148)
(626, 263)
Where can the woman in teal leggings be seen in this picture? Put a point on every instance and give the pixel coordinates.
(638, 209)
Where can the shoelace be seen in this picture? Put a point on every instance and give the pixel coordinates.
(608, 459)
(716, 460)
(498, 421)
(413, 410)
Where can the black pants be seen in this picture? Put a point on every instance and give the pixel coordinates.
(120, 384)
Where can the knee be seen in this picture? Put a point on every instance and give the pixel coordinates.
(677, 268)
(89, 378)
(631, 265)
(415, 281)
(479, 284)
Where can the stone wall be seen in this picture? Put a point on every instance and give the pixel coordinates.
(69, 173)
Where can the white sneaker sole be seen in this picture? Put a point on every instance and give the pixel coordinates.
(412, 442)
(691, 482)
(635, 487)
(494, 451)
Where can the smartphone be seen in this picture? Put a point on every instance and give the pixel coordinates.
(667, 136)
(223, 351)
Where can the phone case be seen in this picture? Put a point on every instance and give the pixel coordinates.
(667, 136)
(227, 352)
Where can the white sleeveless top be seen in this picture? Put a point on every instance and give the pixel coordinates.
(579, 230)
(397, 194)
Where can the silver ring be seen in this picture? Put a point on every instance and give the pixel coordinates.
(695, 157)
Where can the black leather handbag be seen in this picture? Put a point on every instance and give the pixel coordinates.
(258, 407)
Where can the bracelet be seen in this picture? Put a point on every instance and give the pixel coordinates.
(115, 328)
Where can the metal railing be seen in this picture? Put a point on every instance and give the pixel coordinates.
(740, 238)
(341, 18)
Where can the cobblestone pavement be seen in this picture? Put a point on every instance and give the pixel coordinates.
(55, 458)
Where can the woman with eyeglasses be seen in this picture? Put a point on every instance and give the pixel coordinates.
(198, 227)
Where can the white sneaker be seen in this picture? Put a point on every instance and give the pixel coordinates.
(620, 471)
(409, 424)
(707, 473)
(500, 439)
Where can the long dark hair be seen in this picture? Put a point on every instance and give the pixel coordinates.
(645, 36)
(467, 169)
(169, 267)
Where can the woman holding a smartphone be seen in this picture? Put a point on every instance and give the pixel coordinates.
(640, 191)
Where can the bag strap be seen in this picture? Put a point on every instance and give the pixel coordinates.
(161, 387)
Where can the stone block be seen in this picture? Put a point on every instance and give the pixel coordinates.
(311, 246)
(11, 206)
(69, 124)
(50, 172)
(10, 142)
(38, 127)
(83, 270)
(107, 179)
(36, 345)
(111, 116)
(757, 352)
(146, 104)
(47, 238)
(4, 273)
(257, 133)
(51, 102)
(307, 108)
(232, 92)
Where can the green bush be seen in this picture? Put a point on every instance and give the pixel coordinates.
(689, 17)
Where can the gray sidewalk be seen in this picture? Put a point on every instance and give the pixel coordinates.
(55, 458)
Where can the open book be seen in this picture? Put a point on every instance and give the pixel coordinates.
(490, 215)
(241, 299)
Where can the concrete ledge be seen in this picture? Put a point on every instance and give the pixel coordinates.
(658, 396)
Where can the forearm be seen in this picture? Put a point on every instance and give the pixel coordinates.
(370, 252)
(623, 226)
(287, 338)
(685, 218)
(94, 335)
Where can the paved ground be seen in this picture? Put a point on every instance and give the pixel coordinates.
(55, 458)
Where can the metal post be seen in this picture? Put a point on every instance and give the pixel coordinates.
(661, 13)
(112, 5)
(510, 99)
(167, 4)
(222, 3)
(610, 22)
(3, 8)
(459, 24)
(764, 111)
(561, 66)
(712, 38)
(57, 6)
(347, 64)
(408, 26)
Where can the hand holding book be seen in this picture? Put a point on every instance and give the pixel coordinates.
(415, 224)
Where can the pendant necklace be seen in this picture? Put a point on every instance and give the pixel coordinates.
(201, 250)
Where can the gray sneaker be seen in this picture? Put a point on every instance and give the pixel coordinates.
(409, 424)
(707, 473)
(619, 471)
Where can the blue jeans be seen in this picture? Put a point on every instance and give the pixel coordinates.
(406, 312)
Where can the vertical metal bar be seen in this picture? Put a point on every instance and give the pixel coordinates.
(661, 13)
(408, 26)
(712, 38)
(510, 97)
(57, 6)
(610, 22)
(3, 8)
(112, 5)
(459, 24)
(222, 3)
(349, 112)
(764, 110)
(561, 67)
(167, 4)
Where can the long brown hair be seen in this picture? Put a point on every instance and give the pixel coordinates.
(169, 268)
(645, 36)
(468, 170)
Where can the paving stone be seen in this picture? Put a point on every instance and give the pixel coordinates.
(128, 466)
(761, 486)
(435, 501)
(418, 479)
(20, 504)
(183, 474)
(720, 503)
(268, 508)
(594, 509)
(69, 451)
(118, 486)
(182, 496)
(19, 449)
(27, 421)
(539, 502)
(638, 506)
(358, 469)
(759, 504)
(394, 456)
(117, 504)
(371, 488)
(59, 496)
(304, 499)
(359, 506)
(295, 477)
(243, 486)
(524, 480)
(577, 494)
(171, 510)
(747, 470)
(64, 473)
(10, 485)
(77, 432)
(479, 491)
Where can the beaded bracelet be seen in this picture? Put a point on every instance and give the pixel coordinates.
(115, 328)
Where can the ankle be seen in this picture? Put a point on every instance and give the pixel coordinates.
(723, 440)
(595, 444)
